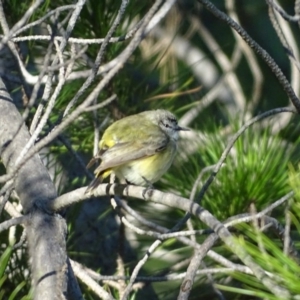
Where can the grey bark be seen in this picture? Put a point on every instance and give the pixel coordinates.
(46, 232)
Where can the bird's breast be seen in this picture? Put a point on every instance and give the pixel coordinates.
(150, 168)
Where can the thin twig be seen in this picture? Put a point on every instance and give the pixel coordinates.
(283, 13)
(91, 283)
(99, 57)
(258, 49)
(13, 222)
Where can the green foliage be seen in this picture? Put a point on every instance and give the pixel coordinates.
(16, 291)
(266, 251)
(4, 259)
(254, 172)
(13, 284)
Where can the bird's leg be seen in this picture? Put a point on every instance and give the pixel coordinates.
(149, 186)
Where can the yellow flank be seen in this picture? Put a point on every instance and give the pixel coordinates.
(104, 174)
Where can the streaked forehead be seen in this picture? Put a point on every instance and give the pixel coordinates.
(164, 114)
(172, 119)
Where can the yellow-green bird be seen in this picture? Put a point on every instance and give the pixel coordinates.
(138, 148)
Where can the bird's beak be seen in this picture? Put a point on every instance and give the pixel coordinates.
(182, 129)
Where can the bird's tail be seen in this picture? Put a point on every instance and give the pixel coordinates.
(97, 180)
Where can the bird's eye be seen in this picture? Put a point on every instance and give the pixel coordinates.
(172, 120)
(164, 124)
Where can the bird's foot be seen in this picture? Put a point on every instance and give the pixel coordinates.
(148, 188)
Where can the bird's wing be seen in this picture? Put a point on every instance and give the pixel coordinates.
(122, 153)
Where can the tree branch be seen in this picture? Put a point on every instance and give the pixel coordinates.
(45, 233)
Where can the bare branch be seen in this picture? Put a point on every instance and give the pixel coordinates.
(91, 283)
(258, 49)
(46, 233)
(283, 13)
(12, 222)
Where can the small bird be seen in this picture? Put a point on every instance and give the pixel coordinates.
(138, 149)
